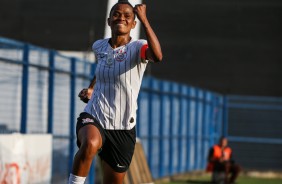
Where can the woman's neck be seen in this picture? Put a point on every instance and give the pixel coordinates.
(117, 41)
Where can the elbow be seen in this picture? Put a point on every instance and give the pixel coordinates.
(155, 56)
(158, 58)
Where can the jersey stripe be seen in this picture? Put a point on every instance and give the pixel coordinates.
(114, 102)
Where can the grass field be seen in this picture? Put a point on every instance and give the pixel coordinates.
(240, 180)
(205, 179)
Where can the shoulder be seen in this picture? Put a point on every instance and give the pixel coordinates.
(138, 43)
(215, 146)
(211, 148)
(100, 43)
(141, 41)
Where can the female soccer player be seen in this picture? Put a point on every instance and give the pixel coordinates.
(107, 125)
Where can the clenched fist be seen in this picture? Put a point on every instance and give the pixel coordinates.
(85, 94)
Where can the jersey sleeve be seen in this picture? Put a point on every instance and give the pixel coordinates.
(96, 45)
(142, 46)
(94, 48)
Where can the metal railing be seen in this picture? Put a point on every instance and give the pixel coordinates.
(254, 128)
(176, 123)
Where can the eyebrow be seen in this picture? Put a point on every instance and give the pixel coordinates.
(127, 11)
(121, 12)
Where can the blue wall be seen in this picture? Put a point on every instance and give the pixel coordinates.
(255, 131)
(38, 94)
(177, 124)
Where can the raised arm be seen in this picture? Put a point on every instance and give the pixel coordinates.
(154, 51)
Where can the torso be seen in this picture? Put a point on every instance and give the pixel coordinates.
(119, 74)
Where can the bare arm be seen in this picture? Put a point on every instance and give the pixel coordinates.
(92, 83)
(154, 52)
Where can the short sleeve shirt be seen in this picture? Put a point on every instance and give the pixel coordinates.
(119, 74)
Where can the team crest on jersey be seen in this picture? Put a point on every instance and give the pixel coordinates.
(120, 55)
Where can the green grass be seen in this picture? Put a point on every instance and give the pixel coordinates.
(240, 180)
(249, 180)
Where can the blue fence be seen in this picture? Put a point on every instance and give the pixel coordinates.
(38, 94)
(255, 131)
(176, 123)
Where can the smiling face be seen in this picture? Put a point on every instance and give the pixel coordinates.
(122, 19)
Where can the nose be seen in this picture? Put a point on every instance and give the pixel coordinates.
(121, 17)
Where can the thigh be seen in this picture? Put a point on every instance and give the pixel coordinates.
(90, 133)
(110, 175)
(89, 129)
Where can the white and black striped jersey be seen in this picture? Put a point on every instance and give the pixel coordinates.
(119, 74)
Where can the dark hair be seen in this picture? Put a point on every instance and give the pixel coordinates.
(222, 137)
(121, 2)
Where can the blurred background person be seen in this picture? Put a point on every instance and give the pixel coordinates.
(221, 162)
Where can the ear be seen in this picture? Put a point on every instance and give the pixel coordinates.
(134, 24)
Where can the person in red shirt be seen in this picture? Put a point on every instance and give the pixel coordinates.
(220, 159)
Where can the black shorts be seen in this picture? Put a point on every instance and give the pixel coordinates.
(118, 145)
